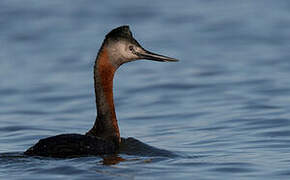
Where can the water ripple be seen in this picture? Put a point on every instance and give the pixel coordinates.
(223, 108)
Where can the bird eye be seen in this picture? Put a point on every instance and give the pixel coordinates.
(131, 48)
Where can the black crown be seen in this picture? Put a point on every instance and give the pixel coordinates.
(120, 32)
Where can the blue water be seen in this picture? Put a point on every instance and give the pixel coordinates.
(224, 108)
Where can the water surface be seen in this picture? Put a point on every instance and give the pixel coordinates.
(224, 108)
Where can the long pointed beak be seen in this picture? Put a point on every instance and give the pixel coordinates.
(144, 54)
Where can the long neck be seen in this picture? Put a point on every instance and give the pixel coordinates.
(106, 125)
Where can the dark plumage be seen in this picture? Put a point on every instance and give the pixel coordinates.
(75, 145)
(70, 145)
(120, 32)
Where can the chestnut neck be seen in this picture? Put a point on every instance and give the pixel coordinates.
(106, 125)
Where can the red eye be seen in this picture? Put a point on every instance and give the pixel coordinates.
(131, 48)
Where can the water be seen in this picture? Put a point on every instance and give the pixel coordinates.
(224, 108)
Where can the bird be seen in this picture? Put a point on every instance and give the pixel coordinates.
(118, 47)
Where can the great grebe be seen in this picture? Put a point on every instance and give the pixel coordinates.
(119, 47)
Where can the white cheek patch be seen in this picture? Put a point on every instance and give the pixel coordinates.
(123, 49)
